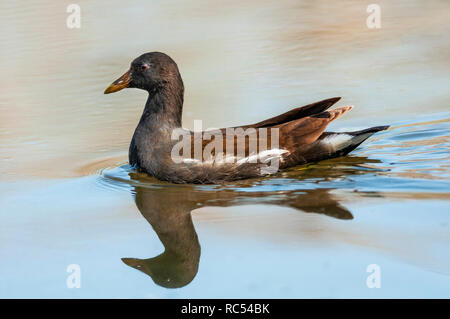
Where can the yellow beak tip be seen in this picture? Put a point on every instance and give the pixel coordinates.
(108, 90)
(119, 84)
(113, 88)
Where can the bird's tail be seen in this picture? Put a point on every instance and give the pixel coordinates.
(345, 142)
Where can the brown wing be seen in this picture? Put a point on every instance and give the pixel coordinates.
(292, 136)
(296, 113)
(301, 137)
(307, 130)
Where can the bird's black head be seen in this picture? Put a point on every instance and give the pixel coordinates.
(147, 72)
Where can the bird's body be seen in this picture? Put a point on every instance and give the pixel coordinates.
(292, 138)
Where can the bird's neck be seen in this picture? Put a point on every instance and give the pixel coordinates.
(164, 107)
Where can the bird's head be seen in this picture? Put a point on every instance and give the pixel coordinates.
(147, 72)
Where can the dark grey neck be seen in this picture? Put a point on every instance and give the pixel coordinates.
(164, 106)
(162, 114)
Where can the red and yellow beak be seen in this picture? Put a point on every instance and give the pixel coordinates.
(119, 84)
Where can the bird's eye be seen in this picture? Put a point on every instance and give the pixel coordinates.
(144, 67)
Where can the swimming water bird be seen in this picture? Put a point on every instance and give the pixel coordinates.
(292, 138)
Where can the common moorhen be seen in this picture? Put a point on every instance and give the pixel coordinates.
(292, 138)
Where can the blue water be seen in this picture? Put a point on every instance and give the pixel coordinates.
(311, 231)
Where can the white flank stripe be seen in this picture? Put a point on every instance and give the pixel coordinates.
(262, 157)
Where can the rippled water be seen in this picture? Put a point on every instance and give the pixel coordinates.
(69, 196)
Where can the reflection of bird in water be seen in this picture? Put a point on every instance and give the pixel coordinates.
(169, 213)
(168, 210)
(318, 201)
